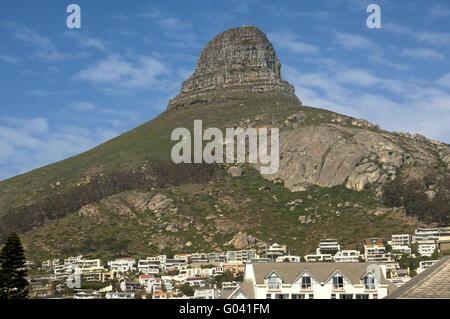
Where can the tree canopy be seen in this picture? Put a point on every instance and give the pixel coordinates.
(13, 284)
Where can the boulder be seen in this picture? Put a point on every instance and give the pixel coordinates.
(235, 171)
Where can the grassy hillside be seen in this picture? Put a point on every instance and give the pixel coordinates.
(209, 214)
(214, 213)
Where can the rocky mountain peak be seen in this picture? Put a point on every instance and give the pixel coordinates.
(237, 63)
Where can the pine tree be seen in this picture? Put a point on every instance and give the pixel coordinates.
(13, 284)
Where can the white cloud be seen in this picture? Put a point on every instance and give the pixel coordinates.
(444, 81)
(39, 92)
(439, 11)
(9, 59)
(115, 72)
(318, 15)
(408, 105)
(87, 42)
(291, 42)
(423, 53)
(242, 6)
(83, 106)
(151, 13)
(354, 41)
(45, 49)
(28, 143)
(432, 38)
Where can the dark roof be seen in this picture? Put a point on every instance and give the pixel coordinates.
(433, 283)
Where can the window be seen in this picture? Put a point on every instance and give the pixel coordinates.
(274, 282)
(306, 282)
(370, 282)
(338, 282)
(363, 296)
(346, 296)
(282, 296)
(311, 296)
(375, 296)
(298, 296)
(268, 296)
(333, 296)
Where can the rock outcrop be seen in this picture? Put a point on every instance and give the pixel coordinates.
(237, 63)
(242, 240)
(337, 154)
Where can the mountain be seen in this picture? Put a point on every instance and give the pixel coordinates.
(339, 177)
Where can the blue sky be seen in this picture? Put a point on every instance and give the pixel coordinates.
(64, 91)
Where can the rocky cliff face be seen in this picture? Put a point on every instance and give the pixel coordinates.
(236, 63)
(241, 63)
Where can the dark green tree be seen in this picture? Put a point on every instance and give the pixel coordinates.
(187, 289)
(13, 284)
(392, 193)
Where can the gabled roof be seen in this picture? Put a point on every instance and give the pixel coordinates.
(321, 271)
(246, 288)
(432, 283)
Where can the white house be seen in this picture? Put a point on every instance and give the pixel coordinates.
(328, 246)
(89, 263)
(402, 249)
(292, 259)
(148, 266)
(206, 293)
(122, 264)
(313, 281)
(426, 234)
(401, 240)
(276, 250)
(318, 257)
(119, 295)
(426, 249)
(425, 264)
(347, 256)
(241, 255)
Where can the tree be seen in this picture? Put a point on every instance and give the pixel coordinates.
(187, 289)
(13, 284)
(392, 193)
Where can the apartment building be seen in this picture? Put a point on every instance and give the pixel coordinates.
(375, 252)
(89, 263)
(292, 259)
(426, 249)
(328, 246)
(217, 258)
(175, 264)
(402, 249)
(119, 295)
(130, 286)
(201, 258)
(149, 266)
(401, 240)
(444, 239)
(274, 251)
(313, 281)
(206, 293)
(425, 264)
(426, 235)
(318, 257)
(96, 274)
(122, 264)
(347, 256)
(199, 281)
(235, 269)
(241, 256)
(373, 241)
